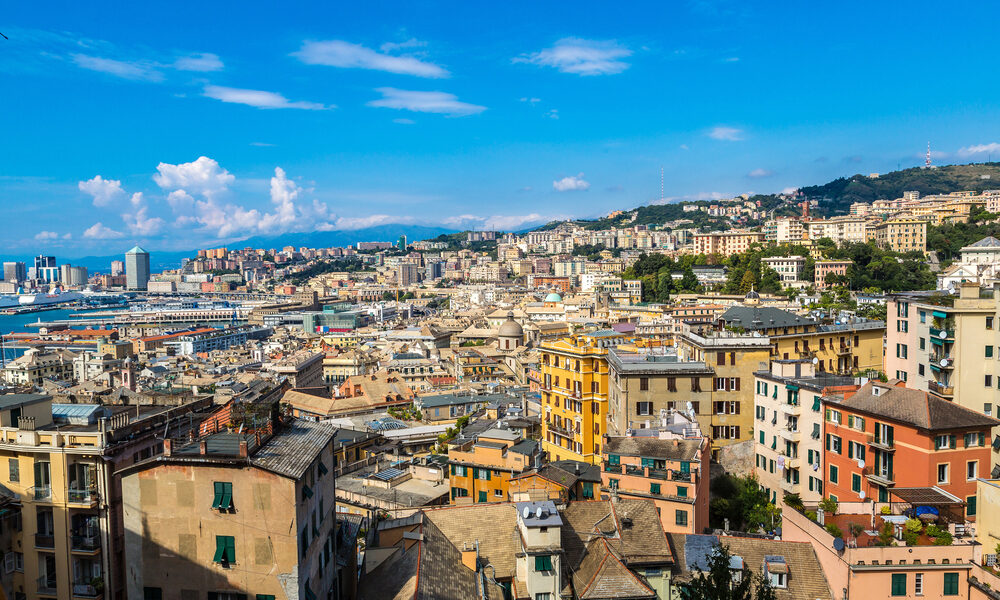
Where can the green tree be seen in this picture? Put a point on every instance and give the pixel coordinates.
(719, 583)
(744, 502)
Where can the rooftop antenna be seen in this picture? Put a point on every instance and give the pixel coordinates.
(661, 185)
(927, 160)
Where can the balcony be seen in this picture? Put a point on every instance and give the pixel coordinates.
(788, 486)
(87, 496)
(41, 493)
(844, 349)
(940, 389)
(87, 589)
(946, 335)
(559, 430)
(882, 444)
(47, 585)
(792, 435)
(882, 478)
(89, 544)
(45, 541)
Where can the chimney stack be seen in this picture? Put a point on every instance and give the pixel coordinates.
(167, 446)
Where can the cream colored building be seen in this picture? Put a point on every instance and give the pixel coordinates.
(902, 235)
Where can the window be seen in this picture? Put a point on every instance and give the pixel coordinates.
(613, 484)
(970, 506)
(223, 495)
(943, 473)
(899, 584)
(987, 410)
(654, 488)
(833, 474)
(264, 597)
(922, 343)
(225, 550)
(543, 563)
(671, 384)
(14, 470)
(918, 583)
(972, 470)
(543, 596)
(681, 518)
(614, 460)
(855, 482)
(989, 322)
(644, 408)
(152, 593)
(833, 443)
(950, 584)
(920, 370)
(988, 380)
(682, 491)
(644, 383)
(498, 493)
(778, 580)
(923, 317)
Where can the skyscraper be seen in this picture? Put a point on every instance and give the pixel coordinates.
(117, 268)
(44, 261)
(14, 272)
(136, 268)
(402, 243)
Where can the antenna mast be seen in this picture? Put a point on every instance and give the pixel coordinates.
(661, 185)
(927, 161)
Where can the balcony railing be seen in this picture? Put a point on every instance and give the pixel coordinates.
(85, 543)
(85, 496)
(45, 540)
(844, 349)
(47, 585)
(943, 334)
(939, 389)
(84, 589)
(650, 472)
(41, 492)
(563, 431)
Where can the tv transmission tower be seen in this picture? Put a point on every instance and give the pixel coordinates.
(927, 160)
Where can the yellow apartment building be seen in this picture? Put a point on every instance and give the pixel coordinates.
(480, 469)
(902, 235)
(59, 460)
(574, 391)
(233, 516)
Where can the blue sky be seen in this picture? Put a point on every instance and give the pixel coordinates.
(192, 123)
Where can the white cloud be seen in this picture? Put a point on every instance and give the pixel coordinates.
(203, 176)
(338, 53)
(571, 184)
(141, 224)
(990, 148)
(410, 43)
(788, 191)
(46, 235)
(731, 59)
(103, 191)
(371, 221)
(180, 201)
(203, 62)
(496, 222)
(259, 98)
(531, 100)
(683, 146)
(135, 71)
(729, 134)
(283, 194)
(137, 199)
(404, 121)
(553, 114)
(759, 173)
(98, 231)
(429, 102)
(261, 144)
(67, 236)
(581, 57)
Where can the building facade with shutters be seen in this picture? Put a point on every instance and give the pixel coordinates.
(235, 516)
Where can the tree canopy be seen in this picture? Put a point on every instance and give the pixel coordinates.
(719, 582)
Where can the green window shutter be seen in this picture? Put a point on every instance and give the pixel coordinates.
(761, 437)
(264, 597)
(217, 501)
(489, 474)
(322, 468)
(855, 482)
(482, 497)
(950, 584)
(654, 488)
(816, 405)
(226, 502)
(682, 491)
(970, 506)
(543, 563)
(306, 492)
(952, 441)
(685, 467)
(899, 584)
(588, 489)
(614, 459)
(225, 549)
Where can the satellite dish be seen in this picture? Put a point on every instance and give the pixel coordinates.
(838, 544)
(861, 494)
(815, 360)
(538, 512)
(526, 512)
(861, 465)
(944, 362)
(943, 334)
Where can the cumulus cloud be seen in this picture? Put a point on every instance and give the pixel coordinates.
(46, 235)
(531, 100)
(553, 114)
(571, 183)
(338, 53)
(759, 173)
(581, 57)
(203, 176)
(103, 191)
(428, 102)
(283, 194)
(141, 224)
(990, 148)
(410, 43)
(788, 191)
(371, 221)
(133, 70)
(496, 222)
(404, 121)
(259, 98)
(98, 231)
(203, 62)
(728, 134)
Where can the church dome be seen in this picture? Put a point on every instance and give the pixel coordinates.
(553, 297)
(511, 328)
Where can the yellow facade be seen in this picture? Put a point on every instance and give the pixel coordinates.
(575, 395)
(844, 350)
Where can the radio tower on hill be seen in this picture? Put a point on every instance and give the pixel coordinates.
(927, 160)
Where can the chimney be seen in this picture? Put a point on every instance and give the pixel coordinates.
(167, 446)
(676, 443)
(244, 451)
(202, 447)
(470, 556)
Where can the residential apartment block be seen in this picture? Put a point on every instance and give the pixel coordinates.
(902, 234)
(480, 469)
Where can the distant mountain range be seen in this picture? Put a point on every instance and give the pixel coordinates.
(159, 260)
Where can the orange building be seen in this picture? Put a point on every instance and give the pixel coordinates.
(560, 481)
(887, 437)
(666, 471)
(481, 469)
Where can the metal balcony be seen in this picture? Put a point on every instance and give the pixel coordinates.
(84, 496)
(47, 585)
(85, 543)
(947, 335)
(939, 389)
(45, 541)
(41, 493)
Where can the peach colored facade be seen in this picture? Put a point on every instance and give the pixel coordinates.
(483, 468)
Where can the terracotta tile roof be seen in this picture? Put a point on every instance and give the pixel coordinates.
(602, 575)
(440, 573)
(650, 447)
(494, 525)
(914, 407)
(806, 580)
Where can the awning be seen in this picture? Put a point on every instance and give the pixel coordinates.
(940, 314)
(793, 388)
(927, 496)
